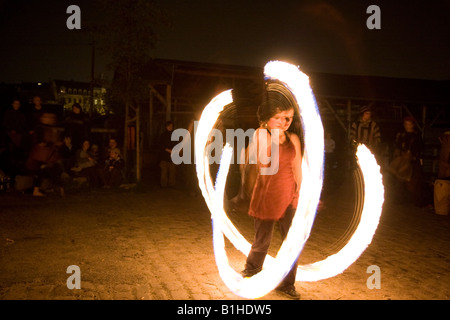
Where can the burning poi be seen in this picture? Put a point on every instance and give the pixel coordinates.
(275, 269)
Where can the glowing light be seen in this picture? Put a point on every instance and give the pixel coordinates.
(312, 163)
(275, 269)
(362, 237)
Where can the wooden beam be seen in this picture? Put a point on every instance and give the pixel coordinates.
(169, 102)
(150, 118)
(441, 110)
(138, 144)
(349, 117)
(158, 95)
(330, 107)
(219, 74)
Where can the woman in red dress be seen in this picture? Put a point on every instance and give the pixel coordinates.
(275, 194)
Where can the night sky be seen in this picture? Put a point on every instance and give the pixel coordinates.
(317, 35)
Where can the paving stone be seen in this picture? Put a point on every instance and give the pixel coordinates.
(158, 246)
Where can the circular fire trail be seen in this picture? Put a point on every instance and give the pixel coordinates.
(275, 269)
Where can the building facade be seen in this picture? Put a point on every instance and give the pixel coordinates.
(92, 100)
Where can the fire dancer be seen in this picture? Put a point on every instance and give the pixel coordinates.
(275, 196)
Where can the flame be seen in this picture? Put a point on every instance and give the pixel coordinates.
(362, 236)
(275, 269)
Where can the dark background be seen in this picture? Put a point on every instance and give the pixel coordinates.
(319, 36)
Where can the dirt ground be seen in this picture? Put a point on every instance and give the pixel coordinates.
(156, 244)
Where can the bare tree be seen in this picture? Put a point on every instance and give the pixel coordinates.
(127, 35)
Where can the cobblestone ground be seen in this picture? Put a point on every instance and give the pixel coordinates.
(157, 244)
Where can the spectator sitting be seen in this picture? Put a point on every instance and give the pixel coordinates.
(95, 153)
(85, 164)
(113, 170)
(112, 144)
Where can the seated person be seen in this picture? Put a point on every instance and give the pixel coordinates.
(86, 164)
(112, 144)
(113, 170)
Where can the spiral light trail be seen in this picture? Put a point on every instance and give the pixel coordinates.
(275, 269)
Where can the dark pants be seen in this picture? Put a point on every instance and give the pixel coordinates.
(168, 174)
(51, 172)
(112, 177)
(261, 244)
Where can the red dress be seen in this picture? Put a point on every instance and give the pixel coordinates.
(273, 194)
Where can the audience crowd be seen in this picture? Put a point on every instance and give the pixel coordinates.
(42, 154)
